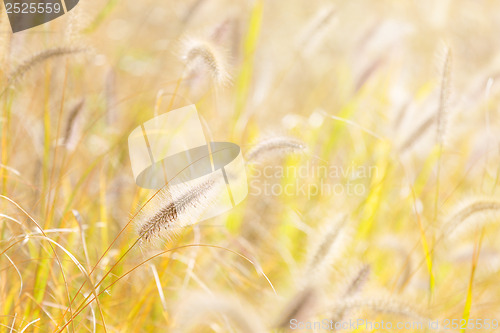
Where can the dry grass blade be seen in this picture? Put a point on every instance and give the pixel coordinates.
(88, 300)
(142, 216)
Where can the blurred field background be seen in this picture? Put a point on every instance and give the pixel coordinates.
(408, 88)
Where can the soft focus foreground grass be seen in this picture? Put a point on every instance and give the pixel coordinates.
(376, 65)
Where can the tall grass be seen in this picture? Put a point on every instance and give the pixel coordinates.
(372, 188)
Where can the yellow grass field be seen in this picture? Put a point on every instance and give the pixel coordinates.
(370, 131)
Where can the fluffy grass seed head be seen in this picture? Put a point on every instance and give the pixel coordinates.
(73, 125)
(326, 248)
(469, 215)
(352, 286)
(440, 116)
(38, 58)
(357, 279)
(275, 146)
(175, 208)
(197, 309)
(300, 307)
(444, 96)
(200, 53)
(382, 304)
(418, 132)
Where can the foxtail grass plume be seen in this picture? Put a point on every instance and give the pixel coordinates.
(326, 248)
(471, 214)
(275, 146)
(418, 133)
(352, 286)
(171, 209)
(444, 96)
(300, 307)
(112, 112)
(33, 61)
(440, 117)
(358, 280)
(198, 53)
(199, 310)
(384, 304)
(73, 126)
(317, 29)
